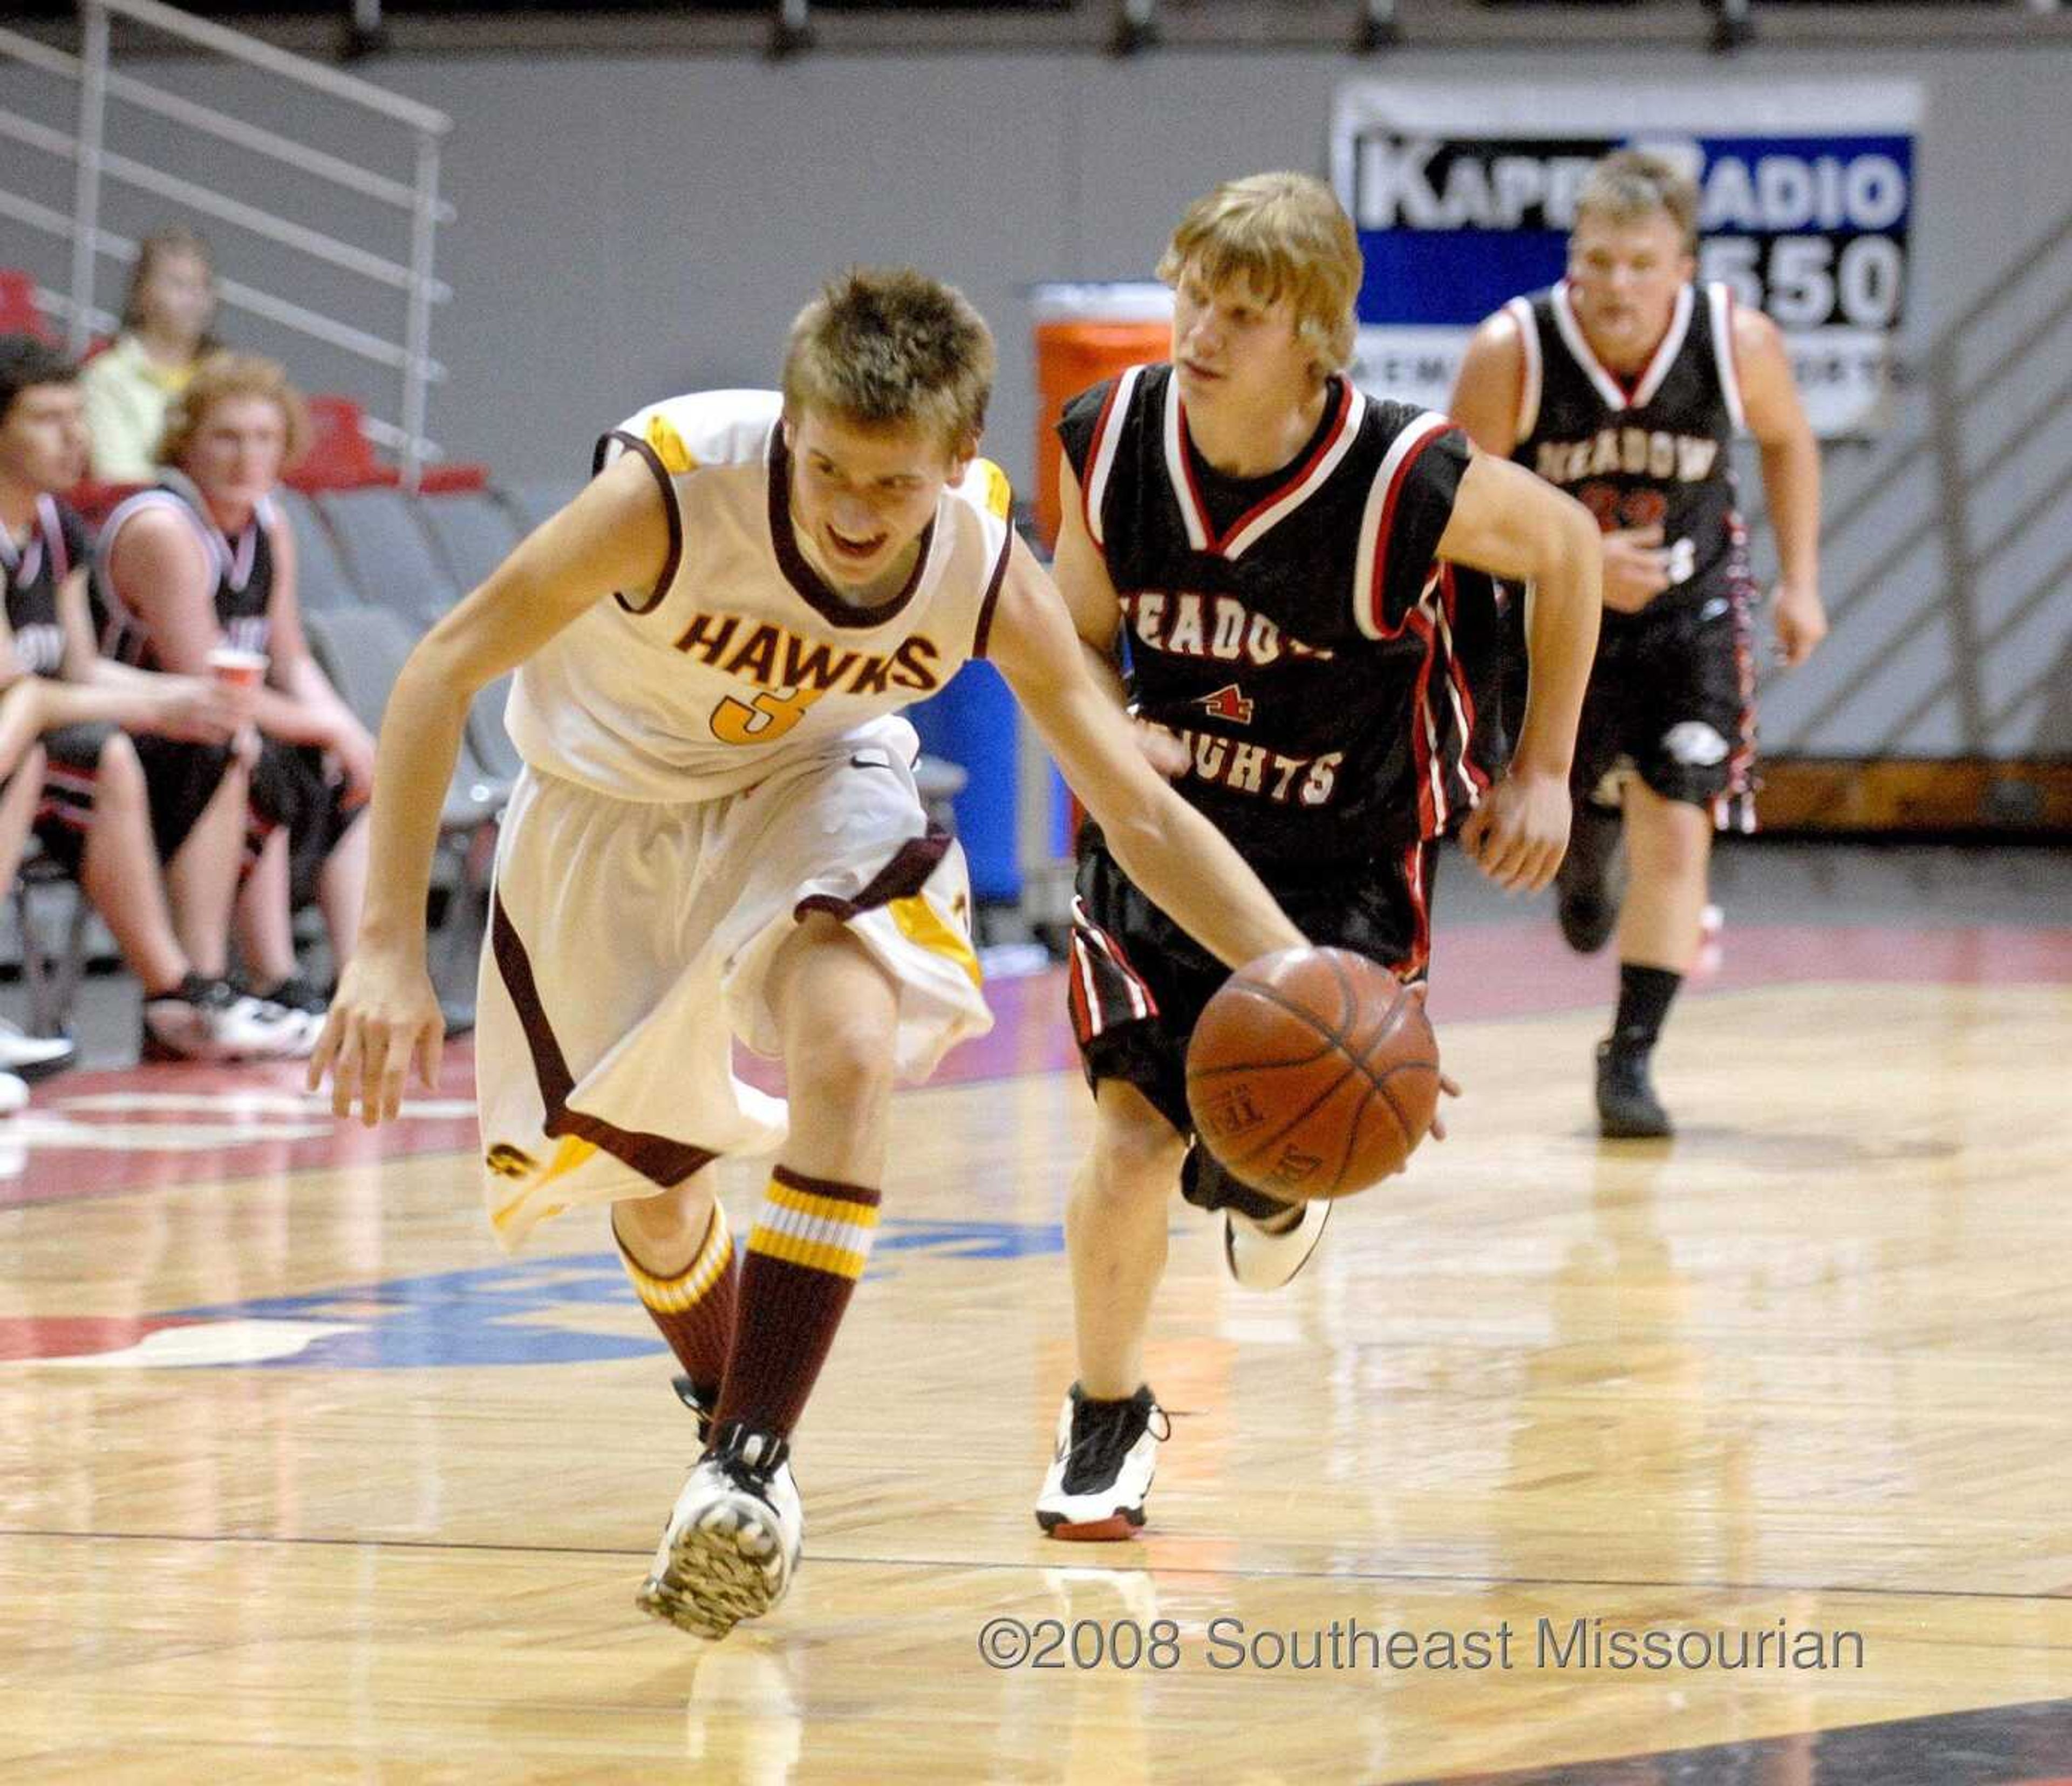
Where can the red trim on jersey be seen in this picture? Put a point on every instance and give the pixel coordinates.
(1416, 857)
(1740, 791)
(1377, 609)
(1449, 599)
(1096, 957)
(1218, 543)
(1429, 816)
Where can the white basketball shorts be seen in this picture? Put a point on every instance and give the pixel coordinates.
(629, 942)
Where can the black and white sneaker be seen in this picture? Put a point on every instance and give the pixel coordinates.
(1106, 1454)
(732, 1543)
(1589, 886)
(202, 1019)
(1263, 1258)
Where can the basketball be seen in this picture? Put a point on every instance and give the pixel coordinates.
(1312, 1072)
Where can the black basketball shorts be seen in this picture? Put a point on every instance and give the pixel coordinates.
(1672, 700)
(1138, 981)
(64, 816)
(293, 785)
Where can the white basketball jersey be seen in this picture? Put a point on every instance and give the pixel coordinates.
(741, 651)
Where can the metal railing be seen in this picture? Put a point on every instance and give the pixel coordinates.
(405, 351)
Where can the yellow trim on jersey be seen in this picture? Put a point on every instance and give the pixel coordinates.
(920, 923)
(999, 493)
(669, 446)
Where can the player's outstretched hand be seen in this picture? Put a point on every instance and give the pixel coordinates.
(1636, 568)
(384, 1016)
(1518, 833)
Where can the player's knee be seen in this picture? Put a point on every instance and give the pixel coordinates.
(843, 1059)
(1668, 840)
(1136, 1155)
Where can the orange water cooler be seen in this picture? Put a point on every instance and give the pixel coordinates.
(1086, 333)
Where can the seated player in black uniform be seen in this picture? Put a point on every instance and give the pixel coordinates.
(1625, 384)
(90, 806)
(1302, 576)
(206, 560)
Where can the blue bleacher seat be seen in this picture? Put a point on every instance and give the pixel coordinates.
(388, 554)
(472, 533)
(325, 581)
(532, 500)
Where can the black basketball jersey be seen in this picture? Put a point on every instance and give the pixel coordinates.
(1651, 452)
(1323, 668)
(243, 568)
(36, 567)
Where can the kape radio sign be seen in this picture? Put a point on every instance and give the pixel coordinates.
(1464, 198)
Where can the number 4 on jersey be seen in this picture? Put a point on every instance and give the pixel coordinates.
(1228, 702)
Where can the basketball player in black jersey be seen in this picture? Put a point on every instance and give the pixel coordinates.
(1301, 575)
(1625, 384)
(96, 812)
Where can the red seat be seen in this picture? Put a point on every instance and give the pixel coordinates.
(452, 480)
(339, 456)
(20, 314)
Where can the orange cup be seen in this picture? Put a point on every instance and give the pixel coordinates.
(241, 668)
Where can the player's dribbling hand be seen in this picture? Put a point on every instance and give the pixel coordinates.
(1636, 568)
(1801, 621)
(1519, 833)
(384, 1016)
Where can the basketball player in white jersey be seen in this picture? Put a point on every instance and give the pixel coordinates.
(1625, 384)
(716, 834)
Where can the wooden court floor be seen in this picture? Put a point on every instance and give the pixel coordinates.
(302, 1481)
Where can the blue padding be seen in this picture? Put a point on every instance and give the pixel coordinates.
(971, 723)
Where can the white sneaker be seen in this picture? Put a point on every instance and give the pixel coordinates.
(1106, 1455)
(1261, 1259)
(13, 1094)
(34, 1056)
(731, 1546)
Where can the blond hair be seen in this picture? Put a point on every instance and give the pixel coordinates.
(1629, 186)
(220, 377)
(1283, 234)
(890, 348)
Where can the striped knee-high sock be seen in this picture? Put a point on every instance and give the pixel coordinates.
(694, 1309)
(811, 1242)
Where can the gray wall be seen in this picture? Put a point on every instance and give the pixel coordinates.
(632, 227)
